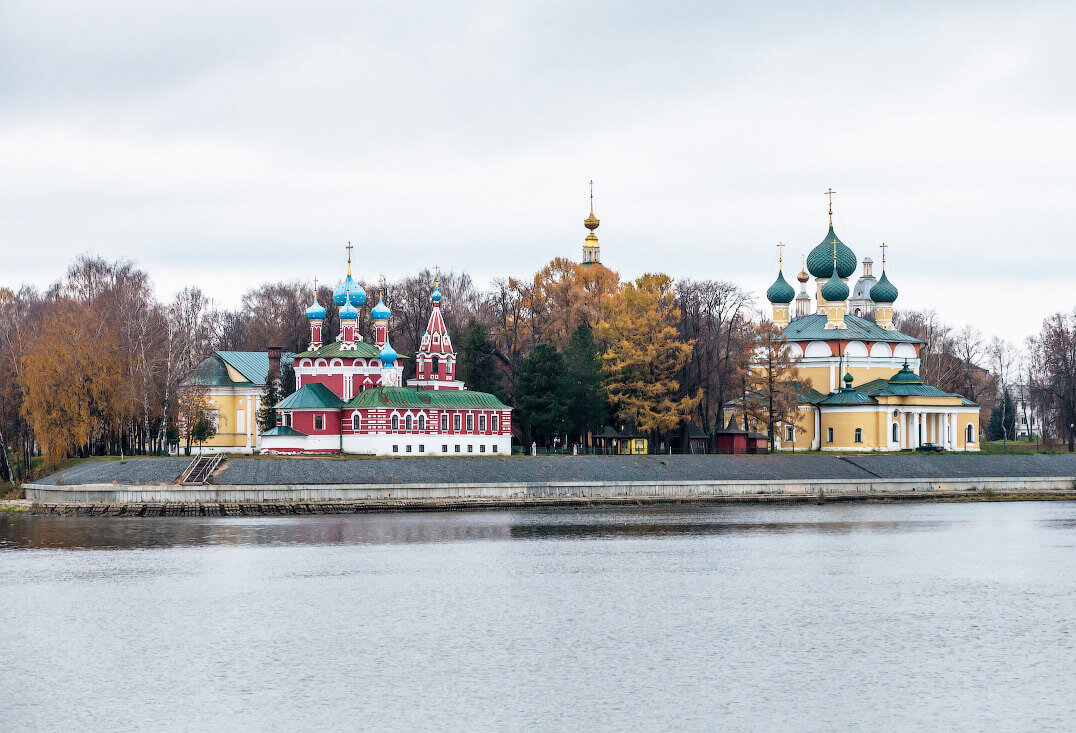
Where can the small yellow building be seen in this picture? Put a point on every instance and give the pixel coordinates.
(860, 376)
(233, 382)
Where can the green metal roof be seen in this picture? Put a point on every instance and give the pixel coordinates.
(848, 397)
(362, 350)
(311, 397)
(211, 372)
(813, 328)
(254, 365)
(283, 430)
(905, 376)
(409, 397)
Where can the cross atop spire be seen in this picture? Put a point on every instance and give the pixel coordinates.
(315, 289)
(436, 276)
(349, 248)
(884, 245)
(592, 197)
(830, 193)
(780, 254)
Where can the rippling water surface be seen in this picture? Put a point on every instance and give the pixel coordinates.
(882, 617)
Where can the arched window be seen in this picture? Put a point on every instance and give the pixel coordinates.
(859, 435)
(436, 364)
(356, 421)
(969, 434)
(407, 424)
(395, 423)
(437, 338)
(896, 432)
(422, 423)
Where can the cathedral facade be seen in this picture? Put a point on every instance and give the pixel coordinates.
(859, 376)
(349, 397)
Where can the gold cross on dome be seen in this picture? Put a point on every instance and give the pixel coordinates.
(315, 288)
(436, 275)
(780, 254)
(884, 245)
(830, 193)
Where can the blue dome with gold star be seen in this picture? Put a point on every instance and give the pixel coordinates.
(380, 311)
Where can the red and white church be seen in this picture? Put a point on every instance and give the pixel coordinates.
(349, 398)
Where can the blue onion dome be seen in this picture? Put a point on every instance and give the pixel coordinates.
(780, 291)
(340, 291)
(905, 376)
(348, 312)
(883, 290)
(436, 297)
(316, 311)
(820, 260)
(388, 354)
(835, 289)
(356, 295)
(380, 311)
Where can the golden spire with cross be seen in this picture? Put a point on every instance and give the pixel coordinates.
(884, 245)
(349, 248)
(591, 222)
(315, 290)
(436, 276)
(830, 193)
(780, 254)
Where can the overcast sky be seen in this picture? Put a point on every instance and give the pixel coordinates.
(222, 144)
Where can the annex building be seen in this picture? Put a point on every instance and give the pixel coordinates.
(861, 388)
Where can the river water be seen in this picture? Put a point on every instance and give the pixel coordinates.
(870, 617)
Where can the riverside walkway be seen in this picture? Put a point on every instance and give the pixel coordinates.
(149, 486)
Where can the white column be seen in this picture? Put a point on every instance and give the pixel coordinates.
(916, 426)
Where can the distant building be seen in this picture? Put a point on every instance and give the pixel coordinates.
(349, 398)
(861, 385)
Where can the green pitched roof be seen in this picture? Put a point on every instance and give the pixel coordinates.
(409, 397)
(848, 396)
(283, 430)
(362, 350)
(254, 365)
(311, 397)
(211, 372)
(813, 328)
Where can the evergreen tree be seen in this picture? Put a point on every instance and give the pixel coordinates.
(270, 397)
(586, 401)
(1002, 425)
(540, 394)
(478, 365)
(287, 380)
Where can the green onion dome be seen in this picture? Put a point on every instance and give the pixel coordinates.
(905, 376)
(780, 291)
(883, 290)
(848, 380)
(820, 260)
(835, 289)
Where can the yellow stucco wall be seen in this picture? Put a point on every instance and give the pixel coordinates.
(231, 433)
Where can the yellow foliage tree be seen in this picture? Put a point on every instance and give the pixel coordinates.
(772, 382)
(74, 380)
(643, 355)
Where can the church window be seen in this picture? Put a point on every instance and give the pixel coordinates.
(408, 447)
(395, 423)
(356, 422)
(444, 424)
(456, 422)
(470, 449)
(495, 424)
(444, 448)
(896, 432)
(422, 423)
(457, 447)
(494, 448)
(829, 435)
(470, 423)
(319, 422)
(481, 423)
(482, 448)
(395, 449)
(436, 364)
(287, 419)
(437, 338)
(969, 434)
(790, 433)
(421, 448)
(407, 423)
(859, 435)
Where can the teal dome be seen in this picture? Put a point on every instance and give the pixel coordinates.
(905, 376)
(388, 355)
(835, 289)
(380, 311)
(820, 260)
(436, 297)
(348, 312)
(883, 290)
(780, 291)
(848, 380)
(316, 311)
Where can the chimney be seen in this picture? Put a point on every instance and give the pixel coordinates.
(274, 363)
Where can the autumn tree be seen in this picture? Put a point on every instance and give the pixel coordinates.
(643, 354)
(73, 380)
(772, 382)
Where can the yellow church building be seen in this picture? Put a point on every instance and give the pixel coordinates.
(861, 389)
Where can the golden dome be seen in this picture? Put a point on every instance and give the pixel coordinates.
(591, 222)
(803, 276)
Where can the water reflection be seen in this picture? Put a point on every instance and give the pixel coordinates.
(90, 533)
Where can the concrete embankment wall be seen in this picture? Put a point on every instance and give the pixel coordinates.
(317, 498)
